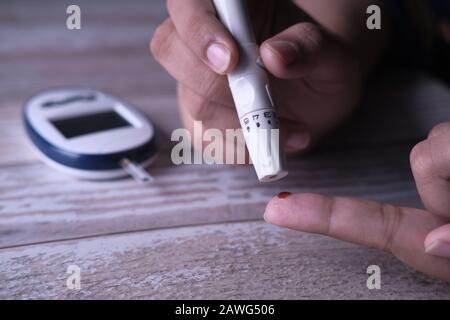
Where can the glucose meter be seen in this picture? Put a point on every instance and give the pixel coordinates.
(90, 135)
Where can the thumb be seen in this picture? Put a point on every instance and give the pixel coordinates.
(305, 49)
(437, 242)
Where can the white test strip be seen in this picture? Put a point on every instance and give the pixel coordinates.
(136, 171)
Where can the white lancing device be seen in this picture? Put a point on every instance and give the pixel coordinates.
(249, 84)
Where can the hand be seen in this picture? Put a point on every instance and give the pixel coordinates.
(316, 75)
(417, 237)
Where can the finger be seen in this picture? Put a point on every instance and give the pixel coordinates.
(358, 221)
(297, 137)
(194, 107)
(430, 163)
(398, 230)
(204, 34)
(437, 242)
(440, 129)
(170, 51)
(306, 50)
(219, 119)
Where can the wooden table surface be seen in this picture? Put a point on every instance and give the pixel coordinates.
(197, 232)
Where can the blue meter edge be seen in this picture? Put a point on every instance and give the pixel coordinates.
(87, 133)
(91, 162)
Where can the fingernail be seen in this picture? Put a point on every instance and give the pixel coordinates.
(287, 50)
(219, 57)
(440, 248)
(297, 141)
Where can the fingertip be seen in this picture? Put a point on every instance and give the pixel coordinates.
(297, 140)
(280, 58)
(429, 239)
(277, 209)
(440, 129)
(439, 248)
(440, 234)
(279, 51)
(302, 212)
(218, 57)
(295, 52)
(222, 59)
(200, 29)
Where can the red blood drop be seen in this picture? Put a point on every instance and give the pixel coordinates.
(284, 195)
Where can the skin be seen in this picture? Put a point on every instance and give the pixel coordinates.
(318, 54)
(318, 50)
(420, 238)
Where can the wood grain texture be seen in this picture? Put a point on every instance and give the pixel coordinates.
(196, 232)
(38, 204)
(224, 261)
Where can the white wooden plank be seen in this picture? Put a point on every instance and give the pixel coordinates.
(128, 74)
(38, 204)
(225, 261)
(368, 158)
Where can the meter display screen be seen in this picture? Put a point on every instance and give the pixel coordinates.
(91, 123)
